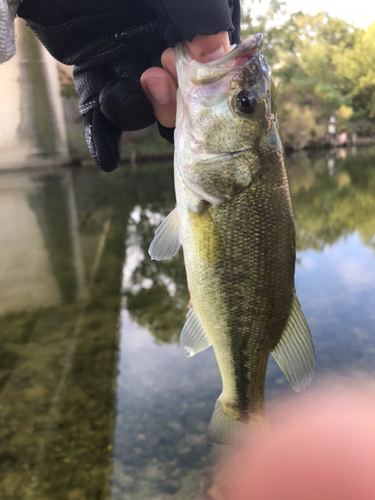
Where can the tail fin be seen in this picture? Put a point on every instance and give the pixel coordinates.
(226, 429)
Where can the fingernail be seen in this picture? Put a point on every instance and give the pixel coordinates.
(158, 91)
(216, 54)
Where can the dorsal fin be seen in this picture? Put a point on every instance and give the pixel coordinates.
(166, 242)
(295, 353)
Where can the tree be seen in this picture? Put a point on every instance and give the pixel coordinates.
(356, 65)
(322, 66)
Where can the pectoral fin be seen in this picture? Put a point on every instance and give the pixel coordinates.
(166, 242)
(194, 339)
(295, 353)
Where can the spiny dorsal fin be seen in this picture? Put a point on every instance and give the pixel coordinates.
(193, 337)
(166, 242)
(295, 353)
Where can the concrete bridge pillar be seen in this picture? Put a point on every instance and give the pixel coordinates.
(32, 124)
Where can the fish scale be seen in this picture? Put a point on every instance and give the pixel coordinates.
(235, 223)
(256, 286)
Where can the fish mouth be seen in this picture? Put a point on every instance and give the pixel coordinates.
(248, 47)
(211, 72)
(244, 51)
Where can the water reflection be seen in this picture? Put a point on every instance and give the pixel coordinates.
(328, 207)
(81, 299)
(164, 404)
(156, 292)
(58, 344)
(337, 288)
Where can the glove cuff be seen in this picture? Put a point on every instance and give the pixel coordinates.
(182, 20)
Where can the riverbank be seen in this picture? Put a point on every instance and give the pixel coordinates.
(135, 152)
(331, 142)
(147, 145)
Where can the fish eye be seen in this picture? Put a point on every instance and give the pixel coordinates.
(246, 102)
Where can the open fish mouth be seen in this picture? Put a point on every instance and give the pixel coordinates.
(206, 73)
(243, 52)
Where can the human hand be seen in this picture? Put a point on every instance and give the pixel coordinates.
(160, 84)
(321, 447)
(112, 44)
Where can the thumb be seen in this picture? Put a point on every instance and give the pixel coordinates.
(205, 49)
(202, 49)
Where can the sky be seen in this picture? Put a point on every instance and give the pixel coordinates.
(360, 12)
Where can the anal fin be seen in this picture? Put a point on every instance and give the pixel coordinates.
(295, 353)
(166, 242)
(194, 339)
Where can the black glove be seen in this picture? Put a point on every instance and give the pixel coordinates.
(111, 43)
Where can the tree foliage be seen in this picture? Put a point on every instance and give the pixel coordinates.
(323, 67)
(356, 66)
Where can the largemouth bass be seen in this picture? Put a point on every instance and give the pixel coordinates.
(235, 223)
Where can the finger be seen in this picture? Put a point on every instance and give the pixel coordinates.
(123, 102)
(205, 49)
(160, 85)
(160, 89)
(168, 60)
(166, 133)
(103, 139)
(202, 48)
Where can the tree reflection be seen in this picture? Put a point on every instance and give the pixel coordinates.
(58, 363)
(328, 207)
(156, 292)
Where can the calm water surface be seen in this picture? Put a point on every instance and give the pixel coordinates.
(97, 400)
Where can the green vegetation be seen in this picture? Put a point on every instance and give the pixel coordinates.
(323, 67)
(330, 207)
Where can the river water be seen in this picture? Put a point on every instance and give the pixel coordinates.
(97, 399)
